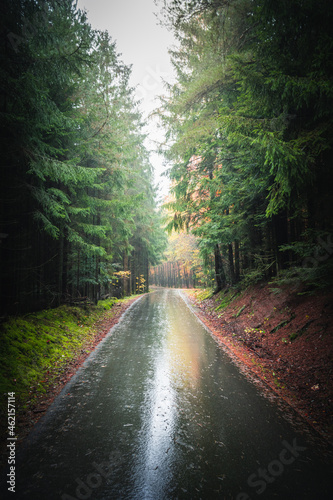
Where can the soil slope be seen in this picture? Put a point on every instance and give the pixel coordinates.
(286, 339)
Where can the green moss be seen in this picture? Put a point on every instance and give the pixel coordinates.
(283, 324)
(204, 294)
(240, 310)
(295, 335)
(107, 304)
(35, 348)
(225, 299)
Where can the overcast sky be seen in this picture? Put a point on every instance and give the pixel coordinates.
(142, 43)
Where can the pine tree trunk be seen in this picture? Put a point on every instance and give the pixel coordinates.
(78, 274)
(231, 263)
(219, 271)
(64, 290)
(280, 225)
(237, 262)
(60, 269)
(126, 282)
(147, 274)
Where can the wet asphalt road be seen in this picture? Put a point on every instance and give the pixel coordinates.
(159, 411)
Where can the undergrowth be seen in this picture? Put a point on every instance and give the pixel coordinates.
(203, 293)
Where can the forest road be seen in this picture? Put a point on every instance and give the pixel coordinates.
(160, 411)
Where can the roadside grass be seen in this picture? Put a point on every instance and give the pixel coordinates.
(36, 348)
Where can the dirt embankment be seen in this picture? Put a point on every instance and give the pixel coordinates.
(286, 339)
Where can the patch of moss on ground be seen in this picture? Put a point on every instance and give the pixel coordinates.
(35, 348)
(201, 294)
(225, 298)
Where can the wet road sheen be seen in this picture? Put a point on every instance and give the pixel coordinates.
(159, 411)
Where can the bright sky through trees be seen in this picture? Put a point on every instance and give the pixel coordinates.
(144, 44)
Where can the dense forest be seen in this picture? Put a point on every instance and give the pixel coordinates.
(78, 218)
(249, 144)
(249, 139)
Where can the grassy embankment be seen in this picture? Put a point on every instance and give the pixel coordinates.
(36, 348)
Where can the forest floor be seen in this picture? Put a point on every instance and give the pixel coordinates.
(284, 338)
